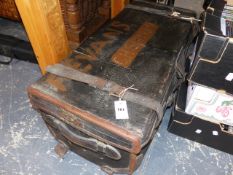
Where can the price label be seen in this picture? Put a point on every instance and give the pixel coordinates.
(121, 109)
(229, 77)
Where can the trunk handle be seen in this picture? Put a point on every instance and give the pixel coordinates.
(89, 143)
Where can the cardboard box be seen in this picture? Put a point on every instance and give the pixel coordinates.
(224, 11)
(216, 7)
(209, 104)
(213, 62)
(212, 133)
(211, 40)
(217, 27)
(195, 5)
(204, 110)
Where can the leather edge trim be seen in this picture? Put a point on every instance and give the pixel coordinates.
(136, 143)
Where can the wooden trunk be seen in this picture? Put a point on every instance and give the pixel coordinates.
(143, 46)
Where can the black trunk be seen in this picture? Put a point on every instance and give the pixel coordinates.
(143, 46)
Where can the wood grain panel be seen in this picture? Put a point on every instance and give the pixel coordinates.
(230, 2)
(83, 17)
(45, 28)
(117, 6)
(9, 10)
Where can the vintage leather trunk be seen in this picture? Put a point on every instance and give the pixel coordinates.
(9, 10)
(145, 46)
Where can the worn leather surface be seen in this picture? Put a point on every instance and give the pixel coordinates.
(137, 48)
(152, 71)
(96, 157)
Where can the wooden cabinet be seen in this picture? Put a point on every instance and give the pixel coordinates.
(83, 17)
(9, 10)
(117, 6)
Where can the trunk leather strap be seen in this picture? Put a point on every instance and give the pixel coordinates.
(106, 85)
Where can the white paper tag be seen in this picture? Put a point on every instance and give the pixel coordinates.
(229, 77)
(223, 26)
(121, 109)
